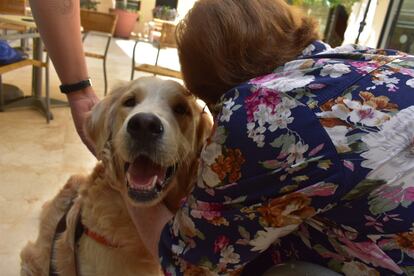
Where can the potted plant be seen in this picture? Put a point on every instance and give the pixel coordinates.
(128, 15)
(164, 13)
(89, 5)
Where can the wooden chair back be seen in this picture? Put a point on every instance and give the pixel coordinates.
(15, 7)
(98, 21)
(167, 38)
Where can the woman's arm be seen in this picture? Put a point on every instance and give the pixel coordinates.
(59, 26)
(149, 222)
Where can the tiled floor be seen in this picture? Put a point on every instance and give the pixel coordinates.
(37, 158)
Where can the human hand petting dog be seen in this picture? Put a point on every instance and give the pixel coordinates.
(81, 102)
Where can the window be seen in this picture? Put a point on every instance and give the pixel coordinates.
(169, 3)
(401, 35)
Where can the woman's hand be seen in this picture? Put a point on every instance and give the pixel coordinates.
(81, 102)
(149, 222)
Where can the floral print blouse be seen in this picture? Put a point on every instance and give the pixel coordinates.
(312, 162)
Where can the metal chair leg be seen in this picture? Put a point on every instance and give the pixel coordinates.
(133, 60)
(85, 34)
(158, 55)
(47, 89)
(108, 43)
(105, 80)
(1, 95)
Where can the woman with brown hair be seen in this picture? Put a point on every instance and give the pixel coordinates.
(312, 154)
(224, 43)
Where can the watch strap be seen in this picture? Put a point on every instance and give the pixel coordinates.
(68, 88)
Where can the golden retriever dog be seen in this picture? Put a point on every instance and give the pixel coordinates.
(148, 135)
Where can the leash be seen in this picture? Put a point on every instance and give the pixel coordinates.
(60, 228)
(98, 238)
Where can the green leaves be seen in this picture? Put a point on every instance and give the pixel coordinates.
(363, 188)
(244, 233)
(324, 164)
(408, 270)
(205, 262)
(300, 178)
(379, 205)
(284, 141)
(272, 164)
(289, 188)
(358, 147)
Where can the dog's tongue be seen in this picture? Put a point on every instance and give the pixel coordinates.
(145, 173)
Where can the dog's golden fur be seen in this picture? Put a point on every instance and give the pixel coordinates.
(98, 198)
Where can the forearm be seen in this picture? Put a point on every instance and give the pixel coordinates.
(58, 22)
(149, 222)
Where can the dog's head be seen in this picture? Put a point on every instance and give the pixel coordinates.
(149, 134)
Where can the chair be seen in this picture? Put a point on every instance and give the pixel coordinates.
(166, 39)
(15, 7)
(102, 24)
(17, 65)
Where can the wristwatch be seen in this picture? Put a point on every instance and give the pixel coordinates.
(68, 88)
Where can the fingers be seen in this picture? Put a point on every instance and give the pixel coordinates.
(85, 139)
(79, 111)
(81, 103)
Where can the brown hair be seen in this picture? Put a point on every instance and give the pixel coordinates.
(222, 43)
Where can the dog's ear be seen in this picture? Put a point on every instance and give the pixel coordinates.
(96, 125)
(186, 178)
(204, 127)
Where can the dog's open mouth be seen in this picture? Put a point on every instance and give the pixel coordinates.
(146, 179)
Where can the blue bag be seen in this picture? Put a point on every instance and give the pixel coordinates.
(8, 54)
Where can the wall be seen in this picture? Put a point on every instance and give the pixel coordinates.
(104, 5)
(146, 10)
(184, 6)
(145, 14)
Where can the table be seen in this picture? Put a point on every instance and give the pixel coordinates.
(36, 99)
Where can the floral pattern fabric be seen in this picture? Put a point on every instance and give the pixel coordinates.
(313, 162)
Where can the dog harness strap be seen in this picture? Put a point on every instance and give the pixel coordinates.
(98, 238)
(79, 230)
(60, 228)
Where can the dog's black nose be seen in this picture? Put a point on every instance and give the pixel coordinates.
(145, 125)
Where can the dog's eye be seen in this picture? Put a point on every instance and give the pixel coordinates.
(130, 102)
(180, 109)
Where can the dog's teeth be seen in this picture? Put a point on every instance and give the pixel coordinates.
(150, 187)
(154, 181)
(145, 188)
